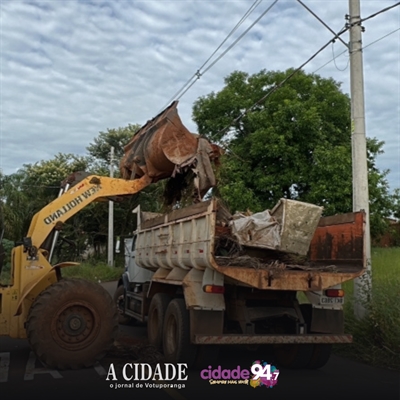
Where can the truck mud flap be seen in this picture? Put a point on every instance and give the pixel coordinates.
(271, 339)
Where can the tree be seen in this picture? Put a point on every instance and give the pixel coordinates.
(381, 202)
(295, 144)
(396, 203)
(31, 188)
(100, 149)
(149, 198)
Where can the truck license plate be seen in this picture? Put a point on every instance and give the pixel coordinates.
(331, 300)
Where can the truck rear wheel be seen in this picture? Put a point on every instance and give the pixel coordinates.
(293, 356)
(321, 352)
(155, 320)
(320, 356)
(72, 324)
(176, 335)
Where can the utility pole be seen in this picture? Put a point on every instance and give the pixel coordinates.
(111, 217)
(363, 284)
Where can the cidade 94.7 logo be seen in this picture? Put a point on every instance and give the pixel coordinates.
(260, 374)
(263, 374)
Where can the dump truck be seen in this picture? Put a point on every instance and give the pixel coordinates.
(71, 323)
(201, 278)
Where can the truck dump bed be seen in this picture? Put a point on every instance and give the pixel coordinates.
(199, 237)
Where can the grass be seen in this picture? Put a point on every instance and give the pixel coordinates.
(92, 271)
(99, 272)
(376, 337)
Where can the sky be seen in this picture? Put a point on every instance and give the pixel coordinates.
(70, 69)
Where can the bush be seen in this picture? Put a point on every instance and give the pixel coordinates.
(376, 337)
(6, 270)
(100, 272)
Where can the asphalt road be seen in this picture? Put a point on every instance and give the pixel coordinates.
(22, 374)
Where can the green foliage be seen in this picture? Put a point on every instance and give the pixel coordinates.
(396, 203)
(295, 144)
(31, 188)
(35, 185)
(100, 149)
(6, 246)
(99, 272)
(376, 338)
(381, 201)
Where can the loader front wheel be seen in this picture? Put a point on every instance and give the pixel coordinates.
(72, 324)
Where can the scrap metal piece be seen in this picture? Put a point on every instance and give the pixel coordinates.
(164, 147)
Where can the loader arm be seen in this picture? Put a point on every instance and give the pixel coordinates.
(93, 188)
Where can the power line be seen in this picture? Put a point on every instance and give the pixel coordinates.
(369, 44)
(249, 11)
(334, 58)
(320, 20)
(383, 37)
(380, 12)
(197, 73)
(193, 79)
(241, 36)
(276, 87)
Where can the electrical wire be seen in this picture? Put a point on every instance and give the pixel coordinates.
(276, 87)
(249, 11)
(197, 73)
(334, 58)
(369, 44)
(240, 37)
(279, 85)
(383, 37)
(380, 12)
(193, 79)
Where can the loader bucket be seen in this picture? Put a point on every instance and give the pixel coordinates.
(164, 147)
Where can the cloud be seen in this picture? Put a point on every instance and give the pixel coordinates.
(70, 69)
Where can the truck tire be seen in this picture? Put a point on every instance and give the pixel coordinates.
(176, 335)
(155, 319)
(320, 356)
(321, 352)
(72, 324)
(293, 356)
(119, 300)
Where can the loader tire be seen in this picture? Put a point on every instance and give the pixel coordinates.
(72, 324)
(119, 299)
(177, 346)
(155, 320)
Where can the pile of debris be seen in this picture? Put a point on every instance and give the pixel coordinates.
(272, 239)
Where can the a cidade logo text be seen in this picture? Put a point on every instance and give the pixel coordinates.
(139, 372)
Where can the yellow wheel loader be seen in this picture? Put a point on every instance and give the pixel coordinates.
(71, 323)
